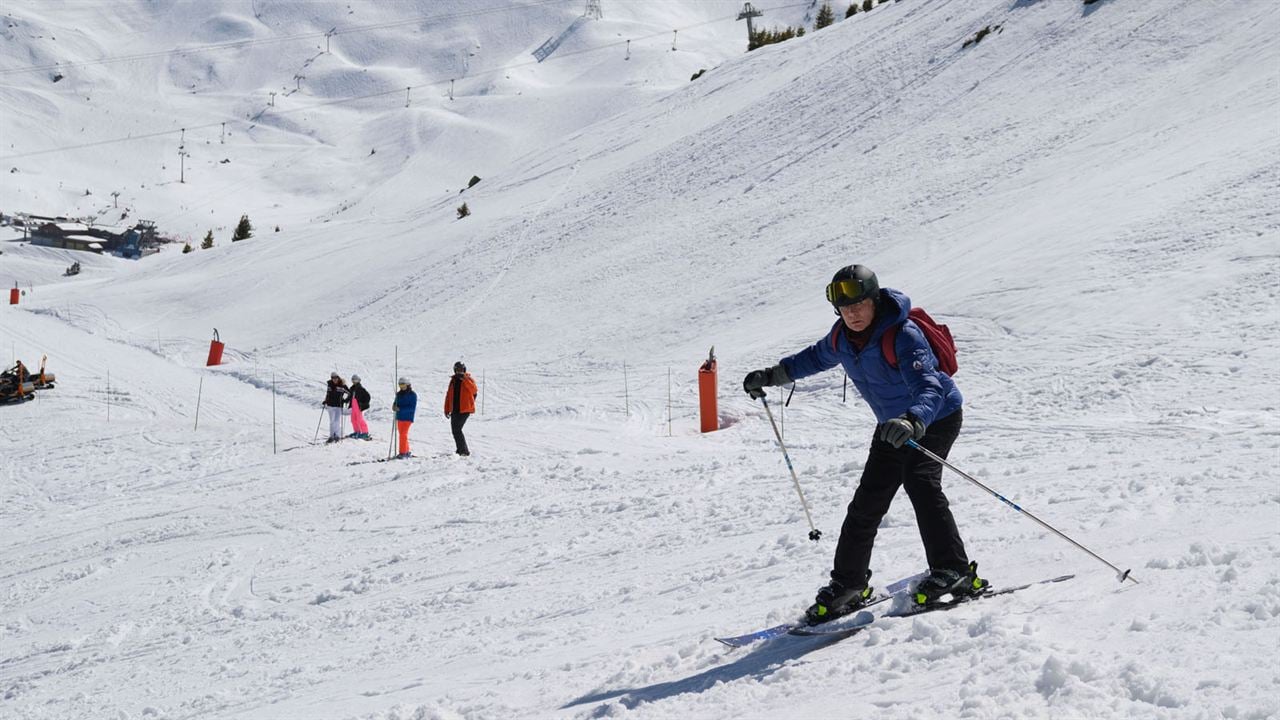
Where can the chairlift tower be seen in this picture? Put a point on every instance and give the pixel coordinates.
(593, 11)
(748, 12)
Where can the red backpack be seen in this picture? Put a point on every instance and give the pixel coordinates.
(939, 337)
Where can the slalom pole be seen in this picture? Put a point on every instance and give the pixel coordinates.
(814, 533)
(396, 384)
(1121, 575)
(199, 394)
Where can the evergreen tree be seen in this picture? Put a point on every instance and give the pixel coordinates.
(760, 38)
(186, 248)
(867, 5)
(244, 229)
(208, 241)
(825, 17)
(463, 211)
(853, 10)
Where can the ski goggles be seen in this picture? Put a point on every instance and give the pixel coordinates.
(848, 292)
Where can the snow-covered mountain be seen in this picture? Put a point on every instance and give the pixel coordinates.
(1089, 197)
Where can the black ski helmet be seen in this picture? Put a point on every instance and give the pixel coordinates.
(458, 367)
(852, 284)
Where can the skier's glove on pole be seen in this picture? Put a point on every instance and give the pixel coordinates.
(901, 429)
(756, 380)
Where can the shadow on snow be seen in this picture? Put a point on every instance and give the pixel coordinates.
(757, 665)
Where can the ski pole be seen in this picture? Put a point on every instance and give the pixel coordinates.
(1121, 575)
(814, 533)
(316, 439)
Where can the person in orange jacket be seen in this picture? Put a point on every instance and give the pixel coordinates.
(459, 403)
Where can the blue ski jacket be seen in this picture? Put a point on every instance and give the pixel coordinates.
(406, 403)
(916, 386)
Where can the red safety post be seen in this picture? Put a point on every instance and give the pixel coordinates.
(707, 403)
(215, 350)
(13, 294)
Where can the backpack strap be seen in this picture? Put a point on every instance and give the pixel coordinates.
(835, 336)
(887, 345)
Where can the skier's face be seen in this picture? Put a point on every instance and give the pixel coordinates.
(859, 315)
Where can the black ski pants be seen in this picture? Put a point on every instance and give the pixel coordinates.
(456, 421)
(886, 470)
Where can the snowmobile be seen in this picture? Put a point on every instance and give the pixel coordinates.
(43, 380)
(17, 384)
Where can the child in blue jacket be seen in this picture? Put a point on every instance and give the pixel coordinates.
(405, 403)
(913, 401)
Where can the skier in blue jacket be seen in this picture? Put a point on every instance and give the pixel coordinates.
(913, 401)
(405, 404)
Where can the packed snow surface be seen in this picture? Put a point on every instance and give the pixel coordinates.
(1089, 197)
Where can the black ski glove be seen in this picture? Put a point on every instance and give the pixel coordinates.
(756, 380)
(899, 430)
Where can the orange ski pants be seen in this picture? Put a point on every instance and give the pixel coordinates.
(403, 427)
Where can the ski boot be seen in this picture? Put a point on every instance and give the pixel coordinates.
(942, 582)
(835, 600)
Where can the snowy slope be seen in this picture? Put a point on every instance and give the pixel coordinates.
(1088, 197)
(269, 104)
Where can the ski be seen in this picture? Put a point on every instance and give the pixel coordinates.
(956, 601)
(841, 627)
(890, 590)
(381, 460)
(834, 628)
(738, 641)
(800, 627)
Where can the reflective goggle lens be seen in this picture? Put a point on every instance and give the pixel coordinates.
(845, 292)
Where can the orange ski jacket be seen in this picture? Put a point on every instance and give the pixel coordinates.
(461, 396)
